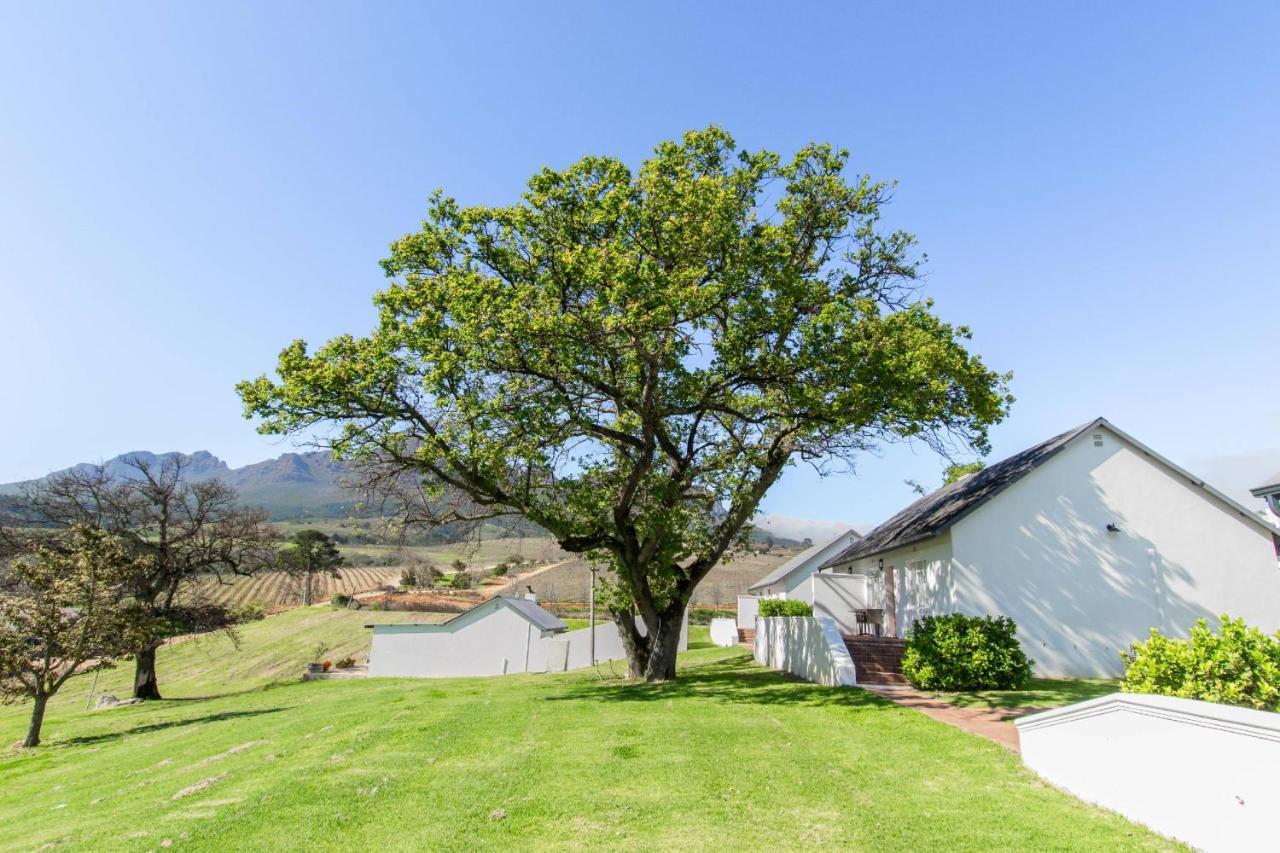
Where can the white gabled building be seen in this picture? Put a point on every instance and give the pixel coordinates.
(798, 579)
(1087, 540)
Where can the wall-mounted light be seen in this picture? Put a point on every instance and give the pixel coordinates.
(1111, 528)
(881, 564)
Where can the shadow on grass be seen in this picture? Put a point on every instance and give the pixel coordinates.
(1039, 693)
(165, 724)
(734, 681)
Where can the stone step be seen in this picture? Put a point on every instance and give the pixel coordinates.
(747, 635)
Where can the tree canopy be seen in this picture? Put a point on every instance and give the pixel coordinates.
(631, 358)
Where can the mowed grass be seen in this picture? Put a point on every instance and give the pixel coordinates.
(1039, 693)
(730, 755)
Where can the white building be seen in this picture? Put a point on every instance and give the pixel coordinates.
(1270, 494)
(837, 596)
(1086, 540)
(500, 636)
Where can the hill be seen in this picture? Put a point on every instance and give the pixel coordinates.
(247, 757)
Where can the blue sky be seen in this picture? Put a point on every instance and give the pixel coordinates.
(185, 188)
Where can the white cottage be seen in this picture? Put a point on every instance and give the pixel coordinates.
(497, 637)
(1087, 540)
(835, 595)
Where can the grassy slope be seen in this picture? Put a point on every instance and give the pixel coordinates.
(730, 755)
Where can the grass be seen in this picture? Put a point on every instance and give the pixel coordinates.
(1039, 693)
(729, 755)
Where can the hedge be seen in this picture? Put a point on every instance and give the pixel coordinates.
(784, 607)
(959, 652)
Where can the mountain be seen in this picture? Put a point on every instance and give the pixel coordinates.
(295, 485)
(289, 486)
(787, 527)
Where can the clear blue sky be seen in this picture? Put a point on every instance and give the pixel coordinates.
(184, 188)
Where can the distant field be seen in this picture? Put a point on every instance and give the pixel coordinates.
(569, 582)
(572, 581)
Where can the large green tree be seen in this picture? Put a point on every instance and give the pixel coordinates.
(631, 359)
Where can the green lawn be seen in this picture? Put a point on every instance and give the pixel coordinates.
(1039, 693)
(729, 756)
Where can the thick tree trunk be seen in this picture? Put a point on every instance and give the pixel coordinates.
(664, 644)
(37, 720)
(145, 685)
(653, 656)
(306, 590)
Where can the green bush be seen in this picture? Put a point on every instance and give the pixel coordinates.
(958, 652)
(501, 569)
(250, 611)
(784, 607)
(1239, 665)
(460, 580)
(338, 599)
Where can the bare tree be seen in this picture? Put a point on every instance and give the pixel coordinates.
(185, 530)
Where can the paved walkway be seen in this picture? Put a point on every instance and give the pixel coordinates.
(994, 724)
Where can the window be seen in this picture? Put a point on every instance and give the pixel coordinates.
(1097, 439)
(916, 565)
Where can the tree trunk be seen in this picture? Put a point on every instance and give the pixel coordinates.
(37, 720)
(633, 644)
(306, 590)
(664, 644)
(145, 685)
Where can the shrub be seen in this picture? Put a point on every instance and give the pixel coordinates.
(458, 566)
(460, 580)
(250, 611)
(345, 663)
(340, 600)
(1239, 665)
(784, 607)
(501, 569)
(958, 652)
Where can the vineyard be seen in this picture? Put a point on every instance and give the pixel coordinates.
(276, 588)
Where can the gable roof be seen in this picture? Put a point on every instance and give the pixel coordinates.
(541, 619)
(937, 512)
(800, 561)
(1270, 487)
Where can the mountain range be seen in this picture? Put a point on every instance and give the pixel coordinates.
(295, 485)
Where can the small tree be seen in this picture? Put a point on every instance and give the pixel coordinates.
(66, 608)
(310, 552)
(187, 531)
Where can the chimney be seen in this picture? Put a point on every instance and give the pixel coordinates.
(531, 595)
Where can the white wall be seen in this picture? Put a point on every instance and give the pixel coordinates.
(1201, 772)
(1039, 552)
(809, 647)
(748, 607)
(497, 643)
(929, 590)
(837, 596)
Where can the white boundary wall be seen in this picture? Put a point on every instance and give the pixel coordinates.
(1198, 771)
(499, 643)
(807, 646)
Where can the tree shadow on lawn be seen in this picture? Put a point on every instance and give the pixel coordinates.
(165, 724)
(733, 681)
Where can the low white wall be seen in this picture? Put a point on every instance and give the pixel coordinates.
(608, 643)
(1200, 772)
(724, 633)
(807, 646)
(499, 644)
(748, 606)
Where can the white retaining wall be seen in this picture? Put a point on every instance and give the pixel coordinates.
(806, 646)
(1198, 771)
